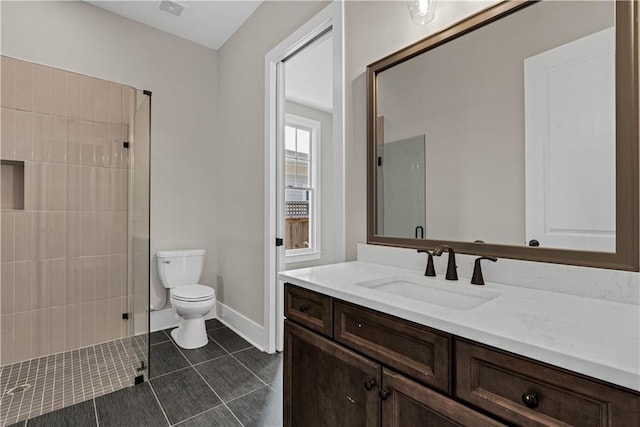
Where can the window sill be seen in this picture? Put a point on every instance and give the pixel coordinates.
(300, 257)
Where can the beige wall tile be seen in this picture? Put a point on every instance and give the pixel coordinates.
(7, 280)
(8, 88)
(102, 278)
(115, 233)
(57, 328)
(124, 153)
(7, 344)
(87, 279)
(22, 336)
(40, 333)
(88, 98)
(73, 281)
(115, 319)
(122, 196)
(28, 186)
(115, 103)
(72, 326)
(7, 233)
(24, 85)
(103, 222)
(101, 326)
(73, 95)
(24, 135)
(40, 285)
(41, 137)
(8, 136)
(87, 143)
(123, 325)
(40, 88)
(102, 146)
(87, 321)
(128, 99)
(87, 188)
(115, 141)
(115, 276)
(58, 187)
(40, 236)
(73, 229)
(23, 236)
(57, 282)
(58, 139)
(88, 234)
(57, 234)
(73, 142)
(23, 289)
(74, 179)
(102, 100)
(103, 196)
(57, 92)
(40, 186)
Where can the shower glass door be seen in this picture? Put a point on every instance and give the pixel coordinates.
(139, 231)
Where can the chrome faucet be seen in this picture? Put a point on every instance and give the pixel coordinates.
(452, 273)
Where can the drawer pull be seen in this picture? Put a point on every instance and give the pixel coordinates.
(384, 394)
(369, 384)
(304, 308)
(530, 400)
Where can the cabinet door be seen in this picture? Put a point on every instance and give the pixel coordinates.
(324, 384)
(408, 404)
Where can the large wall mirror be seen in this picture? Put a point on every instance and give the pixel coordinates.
(513, 133)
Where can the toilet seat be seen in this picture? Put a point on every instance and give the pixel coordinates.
(193, 293)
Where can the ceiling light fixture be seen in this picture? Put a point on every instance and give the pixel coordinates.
(422, 11)
(171, 7)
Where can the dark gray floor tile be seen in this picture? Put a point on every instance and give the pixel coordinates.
(267, 366)
(228, 377)
(218, 417)
(20, 424)
(228, 339)
(260, 408)
(214, 324)
(183, 394)
(133, 406)
(277, 386)
(210, 351)
(164, 358)
(158, 337)
(79, 415)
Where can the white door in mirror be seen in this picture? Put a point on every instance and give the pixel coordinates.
(570, 145)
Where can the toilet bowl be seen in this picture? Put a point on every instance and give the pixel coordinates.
(180, 271)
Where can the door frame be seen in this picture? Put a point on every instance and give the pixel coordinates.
(329, 17)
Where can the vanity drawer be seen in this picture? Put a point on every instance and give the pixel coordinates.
(308, 308)
(499, 383)
(414, 350)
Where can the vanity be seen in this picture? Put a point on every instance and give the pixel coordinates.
(358, 353)
(492, 138)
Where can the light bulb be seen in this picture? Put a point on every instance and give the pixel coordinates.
(422, 11)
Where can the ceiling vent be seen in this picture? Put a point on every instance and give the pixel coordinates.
(172, 8)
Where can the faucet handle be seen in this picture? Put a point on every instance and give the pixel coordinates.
(431, 269)
(476, 278)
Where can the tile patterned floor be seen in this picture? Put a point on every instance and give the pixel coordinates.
(227, 383)
(64, 379)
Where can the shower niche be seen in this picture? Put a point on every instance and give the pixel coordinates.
(12, 184)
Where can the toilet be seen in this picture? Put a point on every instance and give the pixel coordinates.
(180, 271)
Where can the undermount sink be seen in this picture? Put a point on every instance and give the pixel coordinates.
(450, 294)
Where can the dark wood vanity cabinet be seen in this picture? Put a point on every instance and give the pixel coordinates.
(372, 369)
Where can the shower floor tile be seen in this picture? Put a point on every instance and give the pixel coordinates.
(39, 386)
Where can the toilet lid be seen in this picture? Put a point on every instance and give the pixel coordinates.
(193, 293)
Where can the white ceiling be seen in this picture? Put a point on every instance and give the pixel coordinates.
(208, 23)
(309, 76)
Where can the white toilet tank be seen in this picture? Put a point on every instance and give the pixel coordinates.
(180, 267)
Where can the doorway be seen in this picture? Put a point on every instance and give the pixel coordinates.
(304, 157)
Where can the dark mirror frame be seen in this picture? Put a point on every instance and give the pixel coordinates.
(627, 255)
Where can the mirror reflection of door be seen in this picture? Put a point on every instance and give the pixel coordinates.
(402, 165)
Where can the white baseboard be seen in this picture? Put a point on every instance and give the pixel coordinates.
(164, 319)
(242, 325)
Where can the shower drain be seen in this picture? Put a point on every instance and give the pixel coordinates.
(18, 389)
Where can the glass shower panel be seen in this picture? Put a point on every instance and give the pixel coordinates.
(139, 199)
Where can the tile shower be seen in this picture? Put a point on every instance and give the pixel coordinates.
(66, 271)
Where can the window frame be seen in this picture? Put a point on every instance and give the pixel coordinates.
(314, 251)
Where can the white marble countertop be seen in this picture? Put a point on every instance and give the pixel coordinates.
(594, 337)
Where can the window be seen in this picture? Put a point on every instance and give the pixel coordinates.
(301, 194)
